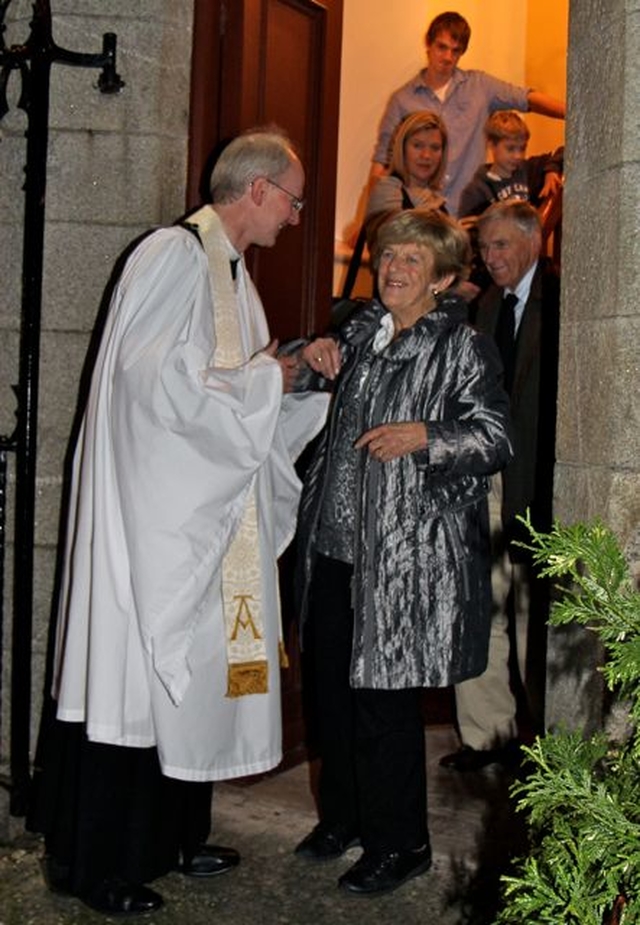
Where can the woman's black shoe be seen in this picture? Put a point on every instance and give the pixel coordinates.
(326, 842)
(381, 872)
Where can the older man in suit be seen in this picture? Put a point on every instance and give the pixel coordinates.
(520, 310)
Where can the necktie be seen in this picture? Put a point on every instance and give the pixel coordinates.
(234, 266)
(505, 336)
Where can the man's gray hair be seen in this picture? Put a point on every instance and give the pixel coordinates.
(259, 152)
(521, 213)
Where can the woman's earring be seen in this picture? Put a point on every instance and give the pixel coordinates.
(435, 292)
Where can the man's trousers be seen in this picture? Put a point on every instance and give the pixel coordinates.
(487, 706)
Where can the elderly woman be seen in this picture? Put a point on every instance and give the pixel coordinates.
(395, 542)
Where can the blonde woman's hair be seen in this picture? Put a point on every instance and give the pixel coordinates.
(410, 125)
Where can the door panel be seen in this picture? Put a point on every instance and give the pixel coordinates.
(257, 62)
(286, 276)
(277, 61)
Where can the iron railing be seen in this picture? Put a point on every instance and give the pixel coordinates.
(33, 61)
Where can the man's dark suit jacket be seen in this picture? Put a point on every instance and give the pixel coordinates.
(528, 479)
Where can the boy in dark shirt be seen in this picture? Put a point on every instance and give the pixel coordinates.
(511, 174)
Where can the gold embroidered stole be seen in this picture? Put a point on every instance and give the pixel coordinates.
(248, 670)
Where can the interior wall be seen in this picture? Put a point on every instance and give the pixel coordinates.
(546, 42)
(521, 42)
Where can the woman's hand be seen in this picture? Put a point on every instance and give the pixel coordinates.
(390, 441)
(323, 356)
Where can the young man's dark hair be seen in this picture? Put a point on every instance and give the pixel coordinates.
(453, 23)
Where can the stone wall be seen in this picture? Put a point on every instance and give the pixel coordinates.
(598, 471)
(116, 166)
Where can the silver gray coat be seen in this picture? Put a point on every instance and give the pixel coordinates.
(422, 593)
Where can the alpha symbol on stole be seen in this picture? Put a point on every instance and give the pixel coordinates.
(244, 617)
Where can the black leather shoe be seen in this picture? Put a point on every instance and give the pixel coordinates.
(326, 842)
(473, 759)
(377, 872)
(120, 897)
(468, 759)
(57, 876)
(210, 860)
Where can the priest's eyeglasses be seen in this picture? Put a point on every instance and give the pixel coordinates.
(297, 204)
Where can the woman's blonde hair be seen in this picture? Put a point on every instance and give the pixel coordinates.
(440, 234)
(410, 125)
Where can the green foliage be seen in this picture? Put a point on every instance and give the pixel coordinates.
(598, 592)
(582, 796)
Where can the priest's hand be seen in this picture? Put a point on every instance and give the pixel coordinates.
(289, 365)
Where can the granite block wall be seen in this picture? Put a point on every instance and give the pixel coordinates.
(116, 167)
(598, 470)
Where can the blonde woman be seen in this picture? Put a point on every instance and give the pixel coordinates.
(416, 172)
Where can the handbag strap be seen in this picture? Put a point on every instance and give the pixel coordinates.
(354, 264)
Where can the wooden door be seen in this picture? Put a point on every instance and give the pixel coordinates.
(276, 61)
(264, 61)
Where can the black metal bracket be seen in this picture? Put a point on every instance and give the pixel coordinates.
(41, 44)
(33, 60)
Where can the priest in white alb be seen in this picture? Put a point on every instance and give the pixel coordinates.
(168, 649)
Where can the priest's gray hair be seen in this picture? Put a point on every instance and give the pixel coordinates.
(261, 152)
